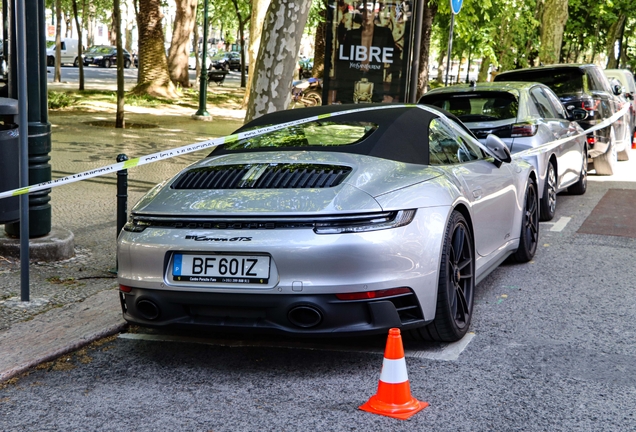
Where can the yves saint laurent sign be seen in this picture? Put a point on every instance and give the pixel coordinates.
(368, 47)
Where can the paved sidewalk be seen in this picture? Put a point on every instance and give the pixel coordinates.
(75, 301)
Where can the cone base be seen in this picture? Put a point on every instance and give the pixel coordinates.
(402, 412)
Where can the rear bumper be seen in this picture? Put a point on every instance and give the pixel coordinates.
(301, 314)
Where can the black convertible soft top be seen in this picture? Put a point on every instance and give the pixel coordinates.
(401, 135)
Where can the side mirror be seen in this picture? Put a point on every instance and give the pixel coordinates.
(617, 89)
(498, 149)
(578, 114)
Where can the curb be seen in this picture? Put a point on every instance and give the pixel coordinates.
(59, 331)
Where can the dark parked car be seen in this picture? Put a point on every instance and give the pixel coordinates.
(585, 86)
(226, 61)
(105, 56)
(525, 116)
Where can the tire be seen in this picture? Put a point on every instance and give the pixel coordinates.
(548, 201)
(226, 67)
(605, 164)
(529, 237)
(456, 285)
(312, 98)
(624, 155)
(126, 63)
(76, 62)
(580, 186)
(106, 63)
(50, 61)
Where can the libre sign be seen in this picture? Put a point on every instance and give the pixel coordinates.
(368, 48)
(456, 5)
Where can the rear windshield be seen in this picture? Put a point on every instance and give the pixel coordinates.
(317, 133)
(477, 106)
(562, 82)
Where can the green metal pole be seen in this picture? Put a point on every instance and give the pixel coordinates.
(203, 80)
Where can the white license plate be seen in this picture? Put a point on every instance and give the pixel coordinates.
(238, 269)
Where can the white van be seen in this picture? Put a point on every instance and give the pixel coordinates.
(68, 52)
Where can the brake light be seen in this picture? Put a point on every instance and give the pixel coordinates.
(591, 140)
(590, 104)
(125, 288)
(367, 295)
(523, 130)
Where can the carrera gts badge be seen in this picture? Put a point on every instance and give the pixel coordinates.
(217, 239)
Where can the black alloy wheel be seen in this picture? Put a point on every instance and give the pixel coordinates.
(456, 285)
(529, 237)
(126, 63)
(76, 62)
(106, 63)
(548, 202)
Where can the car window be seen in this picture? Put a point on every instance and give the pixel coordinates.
(476, 106)
(597, 80)
(317, 133)
(445, 147)
(63, 46)
(543, 103)
(556, 104)
(561, 81)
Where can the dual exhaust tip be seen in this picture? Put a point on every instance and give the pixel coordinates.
(300, 316)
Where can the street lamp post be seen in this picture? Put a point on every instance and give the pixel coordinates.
(202, 112)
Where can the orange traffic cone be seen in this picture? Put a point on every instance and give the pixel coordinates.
(394, 398)
(634, 141)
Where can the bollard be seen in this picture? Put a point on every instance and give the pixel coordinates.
(122, 201)
(122, 194)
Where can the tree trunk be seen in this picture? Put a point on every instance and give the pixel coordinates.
(90, 32)
(430, 10)
(614, 34)
(79, 44)
(197, 69)
(112, 33)
(185, 17)
(320, 44)
(241, 39)
(57, 77)
(119, 117)
(154, 78)
(441, 64)
(553, 19)
(69, 26)
(259, 9)
(129, 29)
(486, 61)
(274, 68)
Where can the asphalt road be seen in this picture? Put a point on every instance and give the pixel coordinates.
(552, 349)
(99, 75)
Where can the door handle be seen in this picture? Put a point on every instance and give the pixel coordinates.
(477, 193)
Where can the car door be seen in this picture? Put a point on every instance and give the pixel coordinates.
(488, 188)
(569, 163)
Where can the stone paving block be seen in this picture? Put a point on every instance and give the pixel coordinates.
(59, 331)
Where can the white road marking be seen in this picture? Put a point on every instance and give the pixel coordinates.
(443, 352)
(560, 224)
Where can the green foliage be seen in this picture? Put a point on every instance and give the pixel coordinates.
(59, 100)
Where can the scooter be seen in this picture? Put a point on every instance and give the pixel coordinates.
(306, 92)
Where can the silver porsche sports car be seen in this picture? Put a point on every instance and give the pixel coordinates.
(344, 220)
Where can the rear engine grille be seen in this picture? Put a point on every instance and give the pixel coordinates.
(262, 176)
